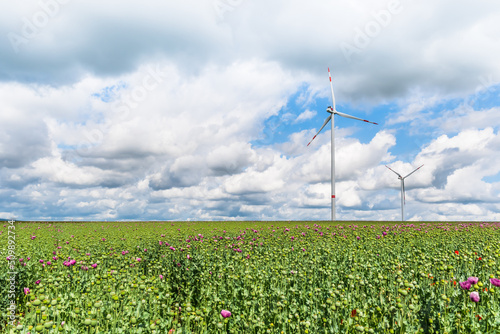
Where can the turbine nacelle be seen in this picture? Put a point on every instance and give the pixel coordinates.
(330, 110)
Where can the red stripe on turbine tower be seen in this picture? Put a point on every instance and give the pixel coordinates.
(333, 196)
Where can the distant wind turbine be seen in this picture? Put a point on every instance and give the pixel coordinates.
(333, 112)
(403, 200)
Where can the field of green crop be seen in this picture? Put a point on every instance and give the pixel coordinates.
(251, 277)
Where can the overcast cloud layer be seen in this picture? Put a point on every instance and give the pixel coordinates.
(202, 110)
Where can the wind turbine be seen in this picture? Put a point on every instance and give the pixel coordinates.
(333, 112)
(403, 200)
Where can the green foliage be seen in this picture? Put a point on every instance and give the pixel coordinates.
(274, 277)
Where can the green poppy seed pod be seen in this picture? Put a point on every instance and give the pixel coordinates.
(37, 302)
(39, 328)
(53, 302)
(87, 322)
(133, 320)
(19, 327)
(93, 323)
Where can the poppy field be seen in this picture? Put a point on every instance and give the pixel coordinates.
(252, 277)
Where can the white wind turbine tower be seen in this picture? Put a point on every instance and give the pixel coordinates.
(333, 112)
(403, 200)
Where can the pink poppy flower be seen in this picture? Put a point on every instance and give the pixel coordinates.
(225, 314)
(473, 280)
(465, 285)
(495, 281)
(474, 296)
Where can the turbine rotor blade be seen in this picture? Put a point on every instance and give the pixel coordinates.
(349, 116)
(331, 87)
(324, 124)
(412, 172)
(394, 171)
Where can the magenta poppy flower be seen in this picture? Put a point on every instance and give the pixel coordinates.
(138, 259)
(225, 314)
(37, 282)
(161, 276)
(465, 285)
(94, 265)
(26, 291)
(41, 261)
(473, 280)
(474, 296)
(49, 263)
(495, 281)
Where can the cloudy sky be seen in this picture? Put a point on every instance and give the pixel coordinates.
(202, 109)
